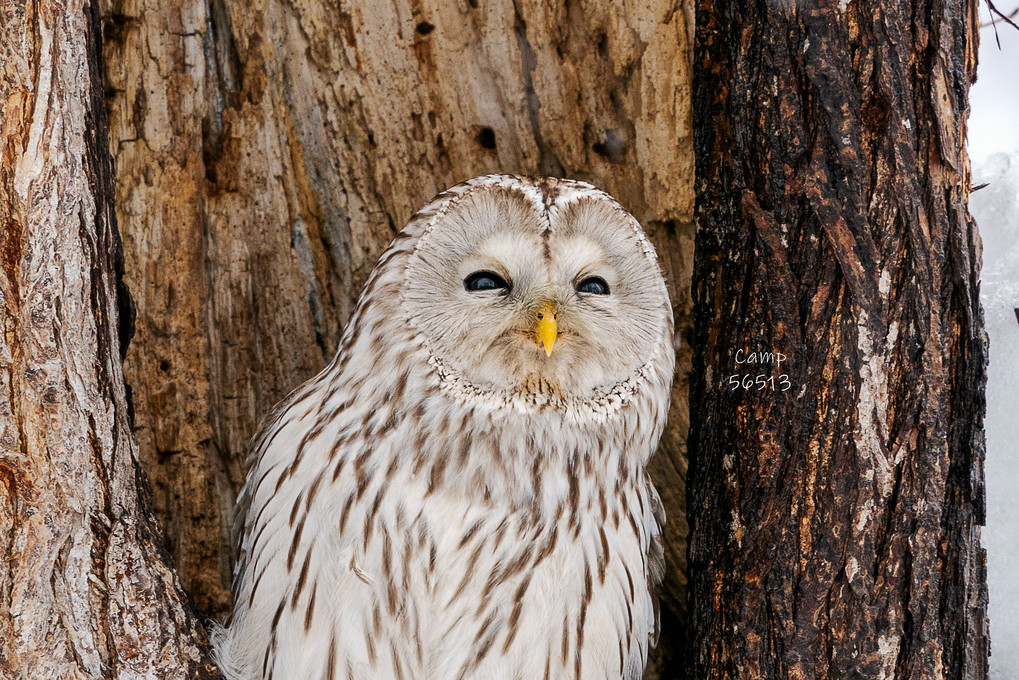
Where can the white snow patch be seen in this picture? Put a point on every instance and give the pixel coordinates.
(888, 652)
(865, 513)
(884, 284)
(873, 407)
(996, 210)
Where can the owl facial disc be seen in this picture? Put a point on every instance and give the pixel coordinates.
(519, 285)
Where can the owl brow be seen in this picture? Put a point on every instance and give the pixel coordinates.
(442, 205)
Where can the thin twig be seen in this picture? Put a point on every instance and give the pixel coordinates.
(1011, 15)
(1007, 18)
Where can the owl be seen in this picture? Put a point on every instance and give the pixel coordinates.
(462, 493)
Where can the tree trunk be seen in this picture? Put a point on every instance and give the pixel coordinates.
(835, 512)
(267, 152)
(85, 587)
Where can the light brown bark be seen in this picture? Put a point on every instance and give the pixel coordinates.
(267, 152)
(85, 587)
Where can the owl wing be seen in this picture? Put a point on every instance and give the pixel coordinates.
(656, 555)
(302, 582)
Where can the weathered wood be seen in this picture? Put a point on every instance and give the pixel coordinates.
(267, 152)
(85, 587)
(835, 525)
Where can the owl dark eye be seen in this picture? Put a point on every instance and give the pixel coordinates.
(595, 285)
(485, 281)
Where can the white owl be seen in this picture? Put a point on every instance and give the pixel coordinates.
(462, 493)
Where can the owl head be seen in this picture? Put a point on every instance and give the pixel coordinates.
(535, 286)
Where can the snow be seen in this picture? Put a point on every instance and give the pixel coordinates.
(994, 98)
(996, 209)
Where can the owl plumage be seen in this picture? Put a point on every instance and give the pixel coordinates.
(462, 493)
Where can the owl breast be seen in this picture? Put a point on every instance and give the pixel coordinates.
(449, 587)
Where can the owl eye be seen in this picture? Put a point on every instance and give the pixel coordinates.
(595, 285)
(484, 280)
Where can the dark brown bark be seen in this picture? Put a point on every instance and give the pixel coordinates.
(86, 589)
(835, 525)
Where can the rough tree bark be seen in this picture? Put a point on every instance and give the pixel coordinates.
(268, 151)
(835, 525)
(86, 590)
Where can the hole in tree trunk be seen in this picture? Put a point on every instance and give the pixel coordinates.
(486, 137)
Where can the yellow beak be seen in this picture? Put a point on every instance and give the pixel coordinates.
(546, 328)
